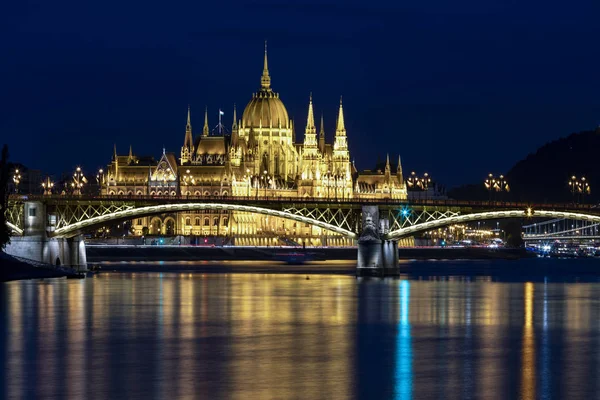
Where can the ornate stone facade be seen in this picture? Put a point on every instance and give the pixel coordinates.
(257, 158)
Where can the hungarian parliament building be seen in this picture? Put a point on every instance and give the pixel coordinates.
(257, 157)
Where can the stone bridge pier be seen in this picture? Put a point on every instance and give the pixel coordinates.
(37, 245)
(376, 255)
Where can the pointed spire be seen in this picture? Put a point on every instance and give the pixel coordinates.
(322, 129)
(205, 129)
(115, 152)
(399, 168)
(387, 164)
(341, 127)
(310, 121)
(234, 126)
(189, 119)
(265, 80)
(322, 136)
(130, 152)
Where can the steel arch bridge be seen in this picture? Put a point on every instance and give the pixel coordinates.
(129, 213)
(76, 214)
(444, 219)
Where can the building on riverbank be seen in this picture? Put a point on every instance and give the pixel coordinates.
(258, 157)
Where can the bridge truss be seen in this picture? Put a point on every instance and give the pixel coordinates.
(77, 214)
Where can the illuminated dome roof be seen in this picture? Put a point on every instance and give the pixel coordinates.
(265, 106)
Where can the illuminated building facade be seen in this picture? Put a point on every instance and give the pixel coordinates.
(259, 157)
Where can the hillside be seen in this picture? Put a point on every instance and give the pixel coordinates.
(543, 175)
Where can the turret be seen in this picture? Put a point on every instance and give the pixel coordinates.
(399, 174)
(340, 129)
(387, 165)
(310, 133)
(322, 137)
(187, 150)
(205, 129)
(130, 157)
(234, 129)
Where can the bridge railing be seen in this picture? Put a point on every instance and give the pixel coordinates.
(320, 200)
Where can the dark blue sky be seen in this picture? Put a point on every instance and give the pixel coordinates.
(459, 88)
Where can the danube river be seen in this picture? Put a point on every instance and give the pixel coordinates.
(280, 336)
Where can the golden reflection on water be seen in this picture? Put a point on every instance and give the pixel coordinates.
(241, 336)
(528, 375)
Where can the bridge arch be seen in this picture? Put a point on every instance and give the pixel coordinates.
(14, 228)
(74, 228)
(490, 215)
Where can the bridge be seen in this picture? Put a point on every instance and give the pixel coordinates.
(561, 229)
(58, 222)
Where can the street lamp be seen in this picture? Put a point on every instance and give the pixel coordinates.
(490, 184)
(265, 180)
(188, 178)
(584, 188)
(78, 181)
(47, 185)
(17, 180)
(573, 184)
(249, 181)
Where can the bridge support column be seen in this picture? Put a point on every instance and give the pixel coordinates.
(37, 246)
(376, 257)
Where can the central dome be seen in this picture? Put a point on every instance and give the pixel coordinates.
(265, 106)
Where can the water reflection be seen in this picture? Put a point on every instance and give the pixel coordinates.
(246, 336)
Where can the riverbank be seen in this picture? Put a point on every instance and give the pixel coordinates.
(97, 254)
(12, 269)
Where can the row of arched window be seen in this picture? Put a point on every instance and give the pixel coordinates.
(167, 193)
(188, 221)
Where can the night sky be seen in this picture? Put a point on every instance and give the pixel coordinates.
(458, 88)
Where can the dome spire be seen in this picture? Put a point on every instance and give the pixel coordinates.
(265, 80)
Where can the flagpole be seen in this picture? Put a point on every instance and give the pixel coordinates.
(219, 121)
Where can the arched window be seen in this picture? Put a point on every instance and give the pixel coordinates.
(207, 193)
(197, 193)
(188, 221)
(225, 193)
(225, 221)
(216, 193)
(206, 221)
(173, 193)
(121, 193)
(216, 221)
(139, 193)
(197, 221)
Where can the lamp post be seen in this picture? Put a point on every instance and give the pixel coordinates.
(573, 186)
(584, 188)
(17, 180)
(490, 184)
(265, 179)
(78, 181)
(187, 180)
(249, 181)
(47, 185)
(100, 179)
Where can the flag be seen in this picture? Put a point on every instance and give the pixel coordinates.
(221, 112)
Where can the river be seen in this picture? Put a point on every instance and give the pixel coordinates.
(164, 335)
